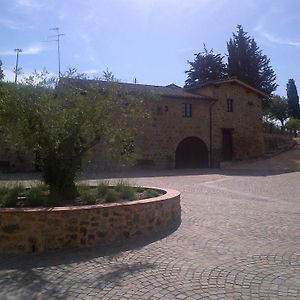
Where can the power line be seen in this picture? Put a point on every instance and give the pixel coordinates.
(18, 50)
(57, 35)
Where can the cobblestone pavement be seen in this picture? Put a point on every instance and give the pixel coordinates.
(239, 239)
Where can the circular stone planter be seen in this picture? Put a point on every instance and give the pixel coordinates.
(46, 229)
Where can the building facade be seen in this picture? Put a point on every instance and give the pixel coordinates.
(197, 127)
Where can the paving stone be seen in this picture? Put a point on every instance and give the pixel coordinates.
(239, 239)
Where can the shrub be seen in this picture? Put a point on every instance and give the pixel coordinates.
(3, 192)
(111, 196)
(37, 195)
(87, 194)
(102, 189)
(125, 190)
(10, 199)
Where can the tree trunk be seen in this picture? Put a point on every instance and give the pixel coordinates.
(59, 174)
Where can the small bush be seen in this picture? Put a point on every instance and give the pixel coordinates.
(89, 198)
(111, 196)
(126, 191)
(10, 199)
(102, 189)
(87, 194)
(36, 196)
(3, 192)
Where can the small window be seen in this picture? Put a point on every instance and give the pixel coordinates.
(229, 105)
(186, 110)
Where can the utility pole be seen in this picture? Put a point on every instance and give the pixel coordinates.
(18, 50)
(57, 35)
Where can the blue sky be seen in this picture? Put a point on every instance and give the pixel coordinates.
(150, 40)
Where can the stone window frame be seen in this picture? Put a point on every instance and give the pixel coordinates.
(229, 103)
(186, 110)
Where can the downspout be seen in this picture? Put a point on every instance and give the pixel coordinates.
(210, 133)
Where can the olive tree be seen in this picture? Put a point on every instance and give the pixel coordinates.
(61, 124)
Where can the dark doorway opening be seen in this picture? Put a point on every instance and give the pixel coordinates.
(191, 153)
(227, 145)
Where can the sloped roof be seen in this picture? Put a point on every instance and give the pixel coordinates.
(171, 90)
(229, 80)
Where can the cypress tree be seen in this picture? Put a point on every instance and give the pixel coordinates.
(293, 99)
(247, 63)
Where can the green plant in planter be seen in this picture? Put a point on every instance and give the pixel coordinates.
(10, 198)
(111, 196)
(125, 191)
(61, 124)
(37, 195)
(87, 194)
(102, 189)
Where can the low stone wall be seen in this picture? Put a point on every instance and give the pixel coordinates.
(47, 229)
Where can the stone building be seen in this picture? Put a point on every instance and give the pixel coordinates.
(190, 128)
(196, 127)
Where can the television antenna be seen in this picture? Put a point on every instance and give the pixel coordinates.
(17, 70)
(57, 39)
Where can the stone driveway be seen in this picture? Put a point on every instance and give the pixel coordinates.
(239, 239)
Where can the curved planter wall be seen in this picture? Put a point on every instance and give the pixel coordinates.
(47, 229)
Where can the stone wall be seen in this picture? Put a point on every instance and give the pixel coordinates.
(48, 229)
(245, 120)
(160, 136)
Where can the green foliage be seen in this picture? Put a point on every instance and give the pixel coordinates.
(293, 99)
(10, 197)
(37, 195)
(111, 196)
(278, 109)
(102, 189)
(62, 124)
(125, 191)
(247, 63)
(293, 125)
(206, 67)
(87, 194)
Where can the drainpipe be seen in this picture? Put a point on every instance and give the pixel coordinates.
(210, 133)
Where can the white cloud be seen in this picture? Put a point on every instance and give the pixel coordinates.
(278, 40)
(28, 3)
(13, 24)
(31, 50)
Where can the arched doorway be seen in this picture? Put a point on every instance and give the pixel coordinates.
(191, 152)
